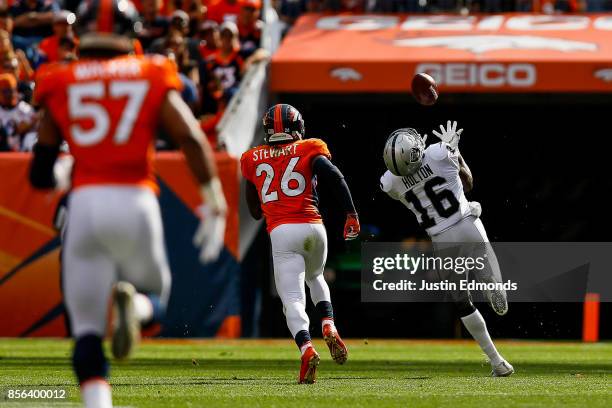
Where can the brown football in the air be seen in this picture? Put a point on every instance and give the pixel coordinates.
(424, 89)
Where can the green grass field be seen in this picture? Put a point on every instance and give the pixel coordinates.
(379, 373)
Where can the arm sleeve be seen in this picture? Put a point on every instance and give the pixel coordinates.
(386, 185)
(41, 168)
(318, 148)
(244, 167)
(167, 76)
(252, 198)
(42, 86)
(443, 152)
(328, 173)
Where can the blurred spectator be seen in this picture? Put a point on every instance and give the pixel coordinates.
(190, 96)
(249, 26)
(154, 25)
(32, 20)
(7, 24)
(226, 67)
(190, 90)
(290, 10)
(14, 61)
(10, 65)
(195, 9)
(210, 39)
(6, 21)
(176, 44)
(212, 116)
(67, 49)
(62, 28)
(17, 118)
(223, 10)
(179, 22)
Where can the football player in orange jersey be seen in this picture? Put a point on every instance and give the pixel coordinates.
(108, 106)
(281, 180)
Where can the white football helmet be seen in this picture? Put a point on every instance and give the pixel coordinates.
(404, 151)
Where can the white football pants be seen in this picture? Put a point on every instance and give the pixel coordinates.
(299, 252)
(113, 233)
(472, 237)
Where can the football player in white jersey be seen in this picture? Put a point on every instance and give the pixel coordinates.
(432, 183)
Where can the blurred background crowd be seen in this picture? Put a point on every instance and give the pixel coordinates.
(213, 42)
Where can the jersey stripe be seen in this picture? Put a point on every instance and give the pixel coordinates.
(105, 17)
(278, 120)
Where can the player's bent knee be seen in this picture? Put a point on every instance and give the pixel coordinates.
(88, 358)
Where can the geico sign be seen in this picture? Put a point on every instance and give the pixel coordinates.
(487, 75)
(527, 22)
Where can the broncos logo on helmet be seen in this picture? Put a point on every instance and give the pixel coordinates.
(283, 124)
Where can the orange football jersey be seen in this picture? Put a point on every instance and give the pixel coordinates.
(108, 112)
(283, 177)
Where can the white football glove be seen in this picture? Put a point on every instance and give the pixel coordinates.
(62, 171)
(450, 135)
(211, 232)
(475, 208)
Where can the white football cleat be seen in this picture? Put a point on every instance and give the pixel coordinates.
(498, 301)
(503, 369)
(126, 328)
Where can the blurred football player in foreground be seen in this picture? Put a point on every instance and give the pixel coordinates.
(281, 185)
(108, 106)
(431, 182)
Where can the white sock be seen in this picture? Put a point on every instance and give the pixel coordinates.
(305, 347)
(475, 324)
(143, 308)
(328, 321)
(96, 393)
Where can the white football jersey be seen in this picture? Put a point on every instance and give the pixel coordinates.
(434, 193)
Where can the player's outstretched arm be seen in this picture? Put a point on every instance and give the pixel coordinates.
(46, 151)
(252, 198)
(184, 129)
(466, 175)
(325, 171)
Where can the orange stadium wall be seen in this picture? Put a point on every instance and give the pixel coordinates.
(204, 301)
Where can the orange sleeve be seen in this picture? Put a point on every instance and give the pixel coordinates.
(44, 83)
(319, 148)
(170, 77)
(45, 46)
